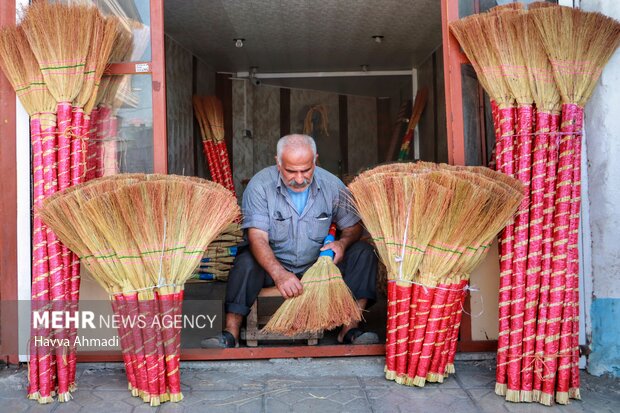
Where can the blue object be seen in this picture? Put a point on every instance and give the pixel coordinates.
(206, 277)
(300, 199)
(328, 253)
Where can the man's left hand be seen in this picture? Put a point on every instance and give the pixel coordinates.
(338, 249)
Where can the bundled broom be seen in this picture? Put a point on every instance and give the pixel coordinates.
(566, 49)
(578, 45)
(218, 258)
(21, 68)
(401, 210)
(142, 241)
(208, 141)
(326, 301)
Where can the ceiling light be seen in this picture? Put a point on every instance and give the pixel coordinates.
(377, 38)
(238, 42)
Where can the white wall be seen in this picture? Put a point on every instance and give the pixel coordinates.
(602, 124)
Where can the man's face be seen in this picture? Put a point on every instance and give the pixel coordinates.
(297, 167)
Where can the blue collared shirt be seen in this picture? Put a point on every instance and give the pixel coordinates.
(296, 237)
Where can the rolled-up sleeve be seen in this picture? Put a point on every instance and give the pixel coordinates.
(345, 215)
(254, 207)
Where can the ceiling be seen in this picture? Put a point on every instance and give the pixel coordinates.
(305, 35)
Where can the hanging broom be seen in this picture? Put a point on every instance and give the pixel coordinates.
(326, 302)
(578, 44)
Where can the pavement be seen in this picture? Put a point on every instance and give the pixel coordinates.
(354, 384)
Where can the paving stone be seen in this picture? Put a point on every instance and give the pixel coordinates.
(273, 405)
(171, 408)
(314, 405)
(69, 407)
(344, 397)
(252, 406)
(16, 405)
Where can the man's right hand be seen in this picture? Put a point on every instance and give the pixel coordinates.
(288, 284)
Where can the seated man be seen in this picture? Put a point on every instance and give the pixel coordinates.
(288, 209)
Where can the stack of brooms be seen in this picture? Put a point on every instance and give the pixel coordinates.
(539, 68)
(432, 225)
(141, 237)
(210, 116)
(55, 59)
(218, 258)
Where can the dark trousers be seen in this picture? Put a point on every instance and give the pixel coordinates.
(247, 277)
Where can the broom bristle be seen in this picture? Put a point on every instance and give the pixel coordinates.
(542, 84)
(215, 116)
(578, 59)
(59, 35)
(473, 35)
(12, 64)
(505, 39)
(104, 52)
(506, 8)
(326, 303)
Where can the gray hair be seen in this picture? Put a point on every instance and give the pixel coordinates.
(295, 140)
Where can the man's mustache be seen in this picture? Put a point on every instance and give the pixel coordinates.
(294, 184)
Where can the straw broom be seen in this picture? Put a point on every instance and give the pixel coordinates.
(180, 262)
(418, 107)
(207, 140)
(16, 70)
(215, 117)
(577, 60)
(444, 250)
(58, 211)
(401, 211)
(547, 98)
(506, 194)
(59, 36)
(505, 40)
(326, 301)
(471, 33)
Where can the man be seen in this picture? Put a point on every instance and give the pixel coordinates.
(287, 211)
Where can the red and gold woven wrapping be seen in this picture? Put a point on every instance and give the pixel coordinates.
(539, 167)
(506, 159)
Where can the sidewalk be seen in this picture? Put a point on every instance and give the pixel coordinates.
(301, 385)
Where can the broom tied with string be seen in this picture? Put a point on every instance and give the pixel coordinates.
(471, 33)
(215, 117)
(505, 41)
(207, 140)
(13, 62)
(401, 223)
(326, 301)
(578, 44)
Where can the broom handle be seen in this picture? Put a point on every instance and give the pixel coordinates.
(331, 237)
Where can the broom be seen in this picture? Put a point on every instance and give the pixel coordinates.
(119, 227)
(16, 62)
(471, 34)
(418, 107)
(445, 248)
(505, 39)
(401, 211)
(506, 194)
(59, 36)
(326, 301)
(577, 57)
(215, 117)
(547, 98)
(207, 140)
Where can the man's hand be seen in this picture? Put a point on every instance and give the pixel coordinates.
(288, 284)
(338, 248)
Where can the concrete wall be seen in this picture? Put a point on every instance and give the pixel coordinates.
(602, 125)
